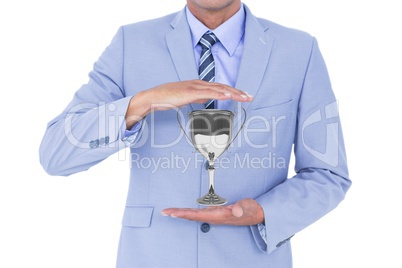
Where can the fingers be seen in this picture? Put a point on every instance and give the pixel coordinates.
(214, 215)
(170, 211)
(188, 214)
(207, 90)
(234, 93)
(244, 212)
(178, 94)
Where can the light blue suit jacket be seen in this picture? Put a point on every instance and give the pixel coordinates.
(294, 106)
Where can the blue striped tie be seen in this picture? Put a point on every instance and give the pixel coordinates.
(206, 69)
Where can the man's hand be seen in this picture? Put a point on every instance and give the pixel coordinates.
(178, 94)
(244, 212)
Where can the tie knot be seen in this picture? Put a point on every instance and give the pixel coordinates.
(208, 40)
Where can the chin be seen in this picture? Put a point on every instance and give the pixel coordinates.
(213, 4)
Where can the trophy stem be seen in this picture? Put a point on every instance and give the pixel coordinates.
(211, 199)
(211, 173)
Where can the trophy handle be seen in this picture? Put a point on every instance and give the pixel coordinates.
(241, 127)
(181, 126)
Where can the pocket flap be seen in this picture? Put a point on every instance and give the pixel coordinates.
(137, 216)
(276, 110)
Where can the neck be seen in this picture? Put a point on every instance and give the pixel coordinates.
(213, 17)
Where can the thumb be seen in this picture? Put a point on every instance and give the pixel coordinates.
(237, 210)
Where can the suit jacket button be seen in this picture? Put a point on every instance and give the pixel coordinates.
(205, 227)
(279, 244)
(92, 144)
(284, 241)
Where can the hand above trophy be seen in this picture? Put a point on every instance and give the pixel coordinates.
(244, 212)
(178, 94)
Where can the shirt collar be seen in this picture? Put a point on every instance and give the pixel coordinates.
(229, 33)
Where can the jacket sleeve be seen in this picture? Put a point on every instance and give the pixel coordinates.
(321, 179)
(90, 128)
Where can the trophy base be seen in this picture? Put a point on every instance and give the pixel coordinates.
(211, 199)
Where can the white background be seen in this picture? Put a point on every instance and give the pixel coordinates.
(48, 47)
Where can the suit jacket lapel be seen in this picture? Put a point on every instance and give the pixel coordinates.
(256, 52)
(181, 51)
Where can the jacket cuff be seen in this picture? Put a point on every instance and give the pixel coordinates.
(260, 236)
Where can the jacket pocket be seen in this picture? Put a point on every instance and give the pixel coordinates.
(275, 110)
(269, 126)
(137, 216)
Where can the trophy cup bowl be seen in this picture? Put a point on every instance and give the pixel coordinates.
(211, 134)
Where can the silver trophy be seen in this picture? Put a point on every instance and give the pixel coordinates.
(211, 134)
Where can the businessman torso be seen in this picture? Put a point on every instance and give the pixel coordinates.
(166, 171)
(284, 71)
